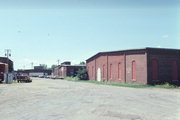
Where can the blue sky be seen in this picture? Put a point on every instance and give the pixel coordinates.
(42, 31)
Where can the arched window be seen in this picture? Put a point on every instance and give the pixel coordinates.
(119, 71)
(134, 70)
(174, 70)
(154, 69)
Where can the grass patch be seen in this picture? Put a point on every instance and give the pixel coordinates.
(71, 78)
(166, 85)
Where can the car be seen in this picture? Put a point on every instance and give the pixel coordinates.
(53, 77)
(23, 78)
(41, 76)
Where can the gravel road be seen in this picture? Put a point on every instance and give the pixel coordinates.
(46, 99)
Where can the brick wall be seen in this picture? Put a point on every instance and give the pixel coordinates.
(101, 63)
(141, 68)
(91, 69)
(117, 68)
(165, 73)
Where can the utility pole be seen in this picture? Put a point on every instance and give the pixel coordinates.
(58, 61)
(7, 54)
(32, 65)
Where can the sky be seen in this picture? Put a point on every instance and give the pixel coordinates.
(44, 31)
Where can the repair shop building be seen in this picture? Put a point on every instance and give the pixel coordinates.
(6, 70)
(137, 66)
(67, 70)
(36, 72)
(9, 62)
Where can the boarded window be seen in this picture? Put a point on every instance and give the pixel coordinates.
(110, 70)
(134, 70)
(119, 71)
(154, 69)
(174, 70)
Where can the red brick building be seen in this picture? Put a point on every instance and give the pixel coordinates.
(6, 66)
(9, 62)
(137, 66)
(67, 70)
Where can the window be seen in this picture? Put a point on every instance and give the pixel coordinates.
(119, 71)
(133, 70)
(110, 70)
(174, 70)
(154, 69)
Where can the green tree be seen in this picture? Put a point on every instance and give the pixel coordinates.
(82, 63)
(82, 74)
(44, 66)
(53, 66)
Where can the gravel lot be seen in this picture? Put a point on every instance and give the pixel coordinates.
(46, 99)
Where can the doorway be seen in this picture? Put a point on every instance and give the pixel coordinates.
(99, 74)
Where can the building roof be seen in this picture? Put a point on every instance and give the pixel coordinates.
(133, 51)
(4, 59)
(2, 63)
(34, 70)
(74, 65)
(70, 66)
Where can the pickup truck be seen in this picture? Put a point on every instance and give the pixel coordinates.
(23, 78)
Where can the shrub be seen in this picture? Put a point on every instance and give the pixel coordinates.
(82, 74)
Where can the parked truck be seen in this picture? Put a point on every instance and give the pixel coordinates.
(23, 78)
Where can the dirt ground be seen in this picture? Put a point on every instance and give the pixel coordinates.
(46, 99)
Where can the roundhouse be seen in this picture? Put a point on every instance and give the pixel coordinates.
(136, 66)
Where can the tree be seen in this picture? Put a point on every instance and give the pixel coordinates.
(82, 74)
(43, 65)
(82, 63)
(53, 66)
